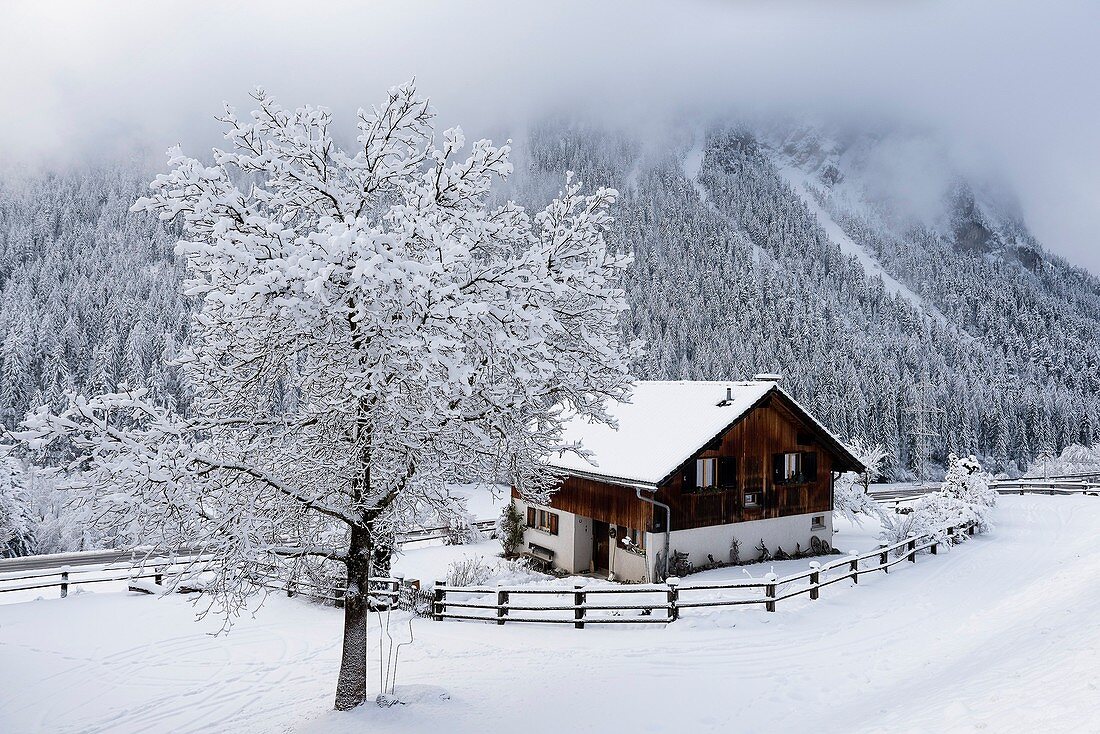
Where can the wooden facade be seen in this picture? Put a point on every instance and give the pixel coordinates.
(747, 449)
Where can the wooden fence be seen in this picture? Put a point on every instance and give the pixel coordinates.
(1039, 486)
(383, 590)
(62, 577)
(583, 605)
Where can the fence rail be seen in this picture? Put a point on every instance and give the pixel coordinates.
(575, 604)
(1021, 486)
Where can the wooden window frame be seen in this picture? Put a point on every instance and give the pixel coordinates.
(545, 521)
(703, 467)
(805, 471)
(757, 503)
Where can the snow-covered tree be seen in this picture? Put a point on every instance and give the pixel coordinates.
(964, 497)
(873, 457)
(370, 328)
(15, 521)
(966, 480)
(851, 490)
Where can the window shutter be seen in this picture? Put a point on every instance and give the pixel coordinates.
(530, 517)
(689, 476)
(553, 523)
(777, 468)
(809, 465)
(727, 471)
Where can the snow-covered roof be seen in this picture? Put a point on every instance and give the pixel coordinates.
(662, 427)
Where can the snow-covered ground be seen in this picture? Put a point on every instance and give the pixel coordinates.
(1000, 634)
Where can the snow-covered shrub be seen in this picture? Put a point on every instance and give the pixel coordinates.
(965, 497)
(966, 480)
(470, 571)
(460, 531)
(510, 529)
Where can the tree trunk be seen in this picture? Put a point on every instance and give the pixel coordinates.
(351, 688)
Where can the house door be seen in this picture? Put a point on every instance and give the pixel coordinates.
(601, 546)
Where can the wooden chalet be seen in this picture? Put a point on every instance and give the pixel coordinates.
(696, 468)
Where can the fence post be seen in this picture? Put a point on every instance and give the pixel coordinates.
(673, 598)
(579, 598)
(158, 575)
(438, 606)
(970, 529)
(911, 546)
(64, 581)
(935, 546)
(853, 566)
(815, 579)
(950, 534)
(769, 592)
(502, 602)
(883, 558)
(398, 583)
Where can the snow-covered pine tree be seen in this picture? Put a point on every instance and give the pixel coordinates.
(16, 527)
(424, 336)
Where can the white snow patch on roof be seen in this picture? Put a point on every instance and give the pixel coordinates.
(663, 425)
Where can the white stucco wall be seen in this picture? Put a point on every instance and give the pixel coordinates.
(569, 545)
(572, 545)
(778, 532)
(627, 566)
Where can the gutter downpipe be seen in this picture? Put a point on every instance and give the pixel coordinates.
(668, 524)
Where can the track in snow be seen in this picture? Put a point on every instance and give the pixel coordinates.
(1001, 634)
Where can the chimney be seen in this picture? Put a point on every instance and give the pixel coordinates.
(729, 394)
(767, 377)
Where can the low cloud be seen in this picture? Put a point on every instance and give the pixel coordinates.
(1010, 84)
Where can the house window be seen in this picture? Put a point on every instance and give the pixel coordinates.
(543, 520)
(795, 467)
(817, 523)
(705, 472)
(752, 499)
(712, 473)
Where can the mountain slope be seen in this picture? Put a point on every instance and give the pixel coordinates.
(856, 270)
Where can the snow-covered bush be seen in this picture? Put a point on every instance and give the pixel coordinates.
(851, 500)
(965, 497)
(470, 571)
(510, 529)
(461, 531)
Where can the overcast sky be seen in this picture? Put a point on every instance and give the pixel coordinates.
(1010, 83)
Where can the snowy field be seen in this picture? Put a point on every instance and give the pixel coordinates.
(1000, 634)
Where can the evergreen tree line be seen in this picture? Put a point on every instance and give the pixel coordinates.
(733, 275)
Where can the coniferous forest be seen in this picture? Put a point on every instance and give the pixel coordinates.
(990, 337)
